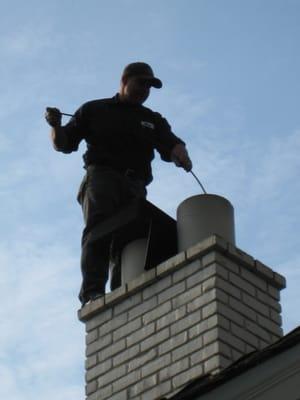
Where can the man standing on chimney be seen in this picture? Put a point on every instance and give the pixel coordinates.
(121, 136)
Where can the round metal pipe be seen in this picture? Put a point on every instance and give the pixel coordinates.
(133, 259)
(201, 216)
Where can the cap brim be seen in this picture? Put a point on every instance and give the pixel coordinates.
(155, 82)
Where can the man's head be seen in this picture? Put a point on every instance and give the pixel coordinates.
(136, 81)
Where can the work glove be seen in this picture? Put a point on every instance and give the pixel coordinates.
(53, 116)
(180, 157)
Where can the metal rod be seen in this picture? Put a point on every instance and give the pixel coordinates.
(202, 187)
(68, 115)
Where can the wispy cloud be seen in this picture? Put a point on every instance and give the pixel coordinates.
(40, 334)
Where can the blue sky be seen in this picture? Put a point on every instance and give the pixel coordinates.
(231, 90)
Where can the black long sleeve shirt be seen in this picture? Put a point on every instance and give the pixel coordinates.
(120, 135)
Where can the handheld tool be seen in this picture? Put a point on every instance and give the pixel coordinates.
(68, 115)
(197, 179)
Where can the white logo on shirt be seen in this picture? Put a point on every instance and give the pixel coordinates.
(148, 124)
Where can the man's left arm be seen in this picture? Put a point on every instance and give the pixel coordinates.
(170, 147)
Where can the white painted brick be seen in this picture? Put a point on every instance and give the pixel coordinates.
(231, 340)
(187, 376)
(242, 308)
(264, 270)
(142, 386)
(142, 359)
(112, 375)
(275, 317)
(274, 292)
(140, 335)
(258, 331)
(101, 343)
(160, 285)
(267, 299)
(98, 370)
(98, 320)
(244, 335)
(202, 275)
(209, 284)
(208, 244)
(172, 343)
(157, 312)
(270, 326)
(112, 350)
(116, 295)
(240, 255)
(223, 322)
(127, 329)
(222, 260)
(203, 326)
(254, 279)
(280, 280)
(171, 317)
(126, 355)
(126, 381)
(185, 323)
(242, 283)
(113, 324)
(91, 361)
(91, 336)
(119, 396)
(142, 308)
(216, 364)
(155, 339)
(186, 271)
(222, 272)
(142, 280)
(127, 304)
(157, 392)
(174, 369)
(209, 310)
(230, 314)
(198, 302)
(101, 394)
(204, 353)
(228, 288)
(171, 263)
(171, 292)
(91, 309)
(187, 297)
(210, 336)
(91, 387)
(188, 348)
(258, 306)
(156, 365)
(236, 355)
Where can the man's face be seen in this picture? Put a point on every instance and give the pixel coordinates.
(136, 90)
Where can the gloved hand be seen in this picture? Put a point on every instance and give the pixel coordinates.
(53, 116)
(181, 157)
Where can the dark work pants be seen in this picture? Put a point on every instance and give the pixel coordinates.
(102, 193)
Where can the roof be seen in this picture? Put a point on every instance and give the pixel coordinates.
(206, 383)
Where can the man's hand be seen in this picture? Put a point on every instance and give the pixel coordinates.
(53, 116)
(181, 157)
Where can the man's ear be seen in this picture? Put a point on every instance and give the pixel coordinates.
(124, 80)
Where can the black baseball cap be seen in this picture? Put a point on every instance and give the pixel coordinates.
(144, 71)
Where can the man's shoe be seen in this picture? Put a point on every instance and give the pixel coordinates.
(92, 297)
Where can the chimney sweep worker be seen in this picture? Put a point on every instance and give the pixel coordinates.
(121, 136)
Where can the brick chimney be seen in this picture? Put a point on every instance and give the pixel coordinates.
(193, 314)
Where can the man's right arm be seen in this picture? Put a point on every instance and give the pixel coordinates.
(58, 134)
